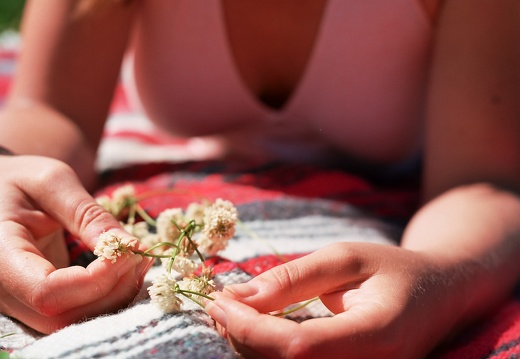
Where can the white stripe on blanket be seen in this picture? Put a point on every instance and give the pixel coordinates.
(142, 329)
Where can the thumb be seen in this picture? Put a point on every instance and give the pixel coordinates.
(337, 267)
(59, 192)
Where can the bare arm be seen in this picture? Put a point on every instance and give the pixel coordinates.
(459, 254)
(65, 80)
(473, 151)
(57, 108)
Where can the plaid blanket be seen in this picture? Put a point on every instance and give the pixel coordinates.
(290, 209)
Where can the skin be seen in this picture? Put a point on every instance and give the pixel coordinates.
(458, 256)
(382, 295)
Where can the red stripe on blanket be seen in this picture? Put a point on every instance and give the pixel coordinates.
(5, 84)
(120, 101)
(10, 55)
(498, 338)
(253, 266)
(159, 194)
(262, 184)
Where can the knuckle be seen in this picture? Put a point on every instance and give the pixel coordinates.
(299, 347)
(284, 276)
(348, 256)
(50, 171)
(242, 335)
(43, 300)
(88, 212)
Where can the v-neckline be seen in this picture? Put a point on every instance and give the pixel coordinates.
(300, 84)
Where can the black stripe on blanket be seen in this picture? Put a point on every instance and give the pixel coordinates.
(182, 335)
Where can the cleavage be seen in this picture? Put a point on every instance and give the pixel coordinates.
(271, 42)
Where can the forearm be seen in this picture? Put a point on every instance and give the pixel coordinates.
(474, 232)
(37, 130)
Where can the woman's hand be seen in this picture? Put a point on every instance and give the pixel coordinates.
(387, 303)
(39, 197)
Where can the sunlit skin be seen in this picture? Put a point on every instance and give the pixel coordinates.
(458, 255)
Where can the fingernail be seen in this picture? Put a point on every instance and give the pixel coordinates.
(243, 290)
(216, 313)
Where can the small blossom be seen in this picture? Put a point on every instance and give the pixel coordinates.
(110, 246)
(187, 247)
(165, 262)
(139, 229)
(198, 285)
(162, 293)
(166, 228)
(122, 197)
(150, 240)
(195, 211)
(184, 266)
(219, 220)
(211, 246)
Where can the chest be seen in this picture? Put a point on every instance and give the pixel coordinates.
(346, 72)
(271, 42)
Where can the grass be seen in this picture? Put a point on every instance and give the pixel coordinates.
(10, 14)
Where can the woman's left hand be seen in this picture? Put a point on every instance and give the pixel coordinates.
(386, 301)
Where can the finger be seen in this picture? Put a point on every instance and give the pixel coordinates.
(54, 248)
(59, 192)
(338, 267)
(126, 289)
(356, 334)
(236, 320)
(39, 285)
(17, 207)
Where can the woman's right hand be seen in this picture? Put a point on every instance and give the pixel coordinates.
(39, 197)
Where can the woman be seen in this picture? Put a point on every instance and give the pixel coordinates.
(372, 83)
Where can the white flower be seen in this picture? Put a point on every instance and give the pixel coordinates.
(219, 220)
(162, 293)
(122, 197)
(195, 211)
(150, 240)
(139, 229)
(166, 221)
(165, 262)
(186, 247)
(198, 285)
(211, 246)
(110, 246)
(184, 266)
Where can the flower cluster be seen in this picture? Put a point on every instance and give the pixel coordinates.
(110, 246)
(180, 239)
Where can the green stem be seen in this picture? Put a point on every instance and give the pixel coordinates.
(298, 307)
(201, 257)
(196, 293)
(151, 255)
(144, 215)
(131, 213)
(155, 246)
(183, 293)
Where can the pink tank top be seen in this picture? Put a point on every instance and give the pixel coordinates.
(363, 85)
